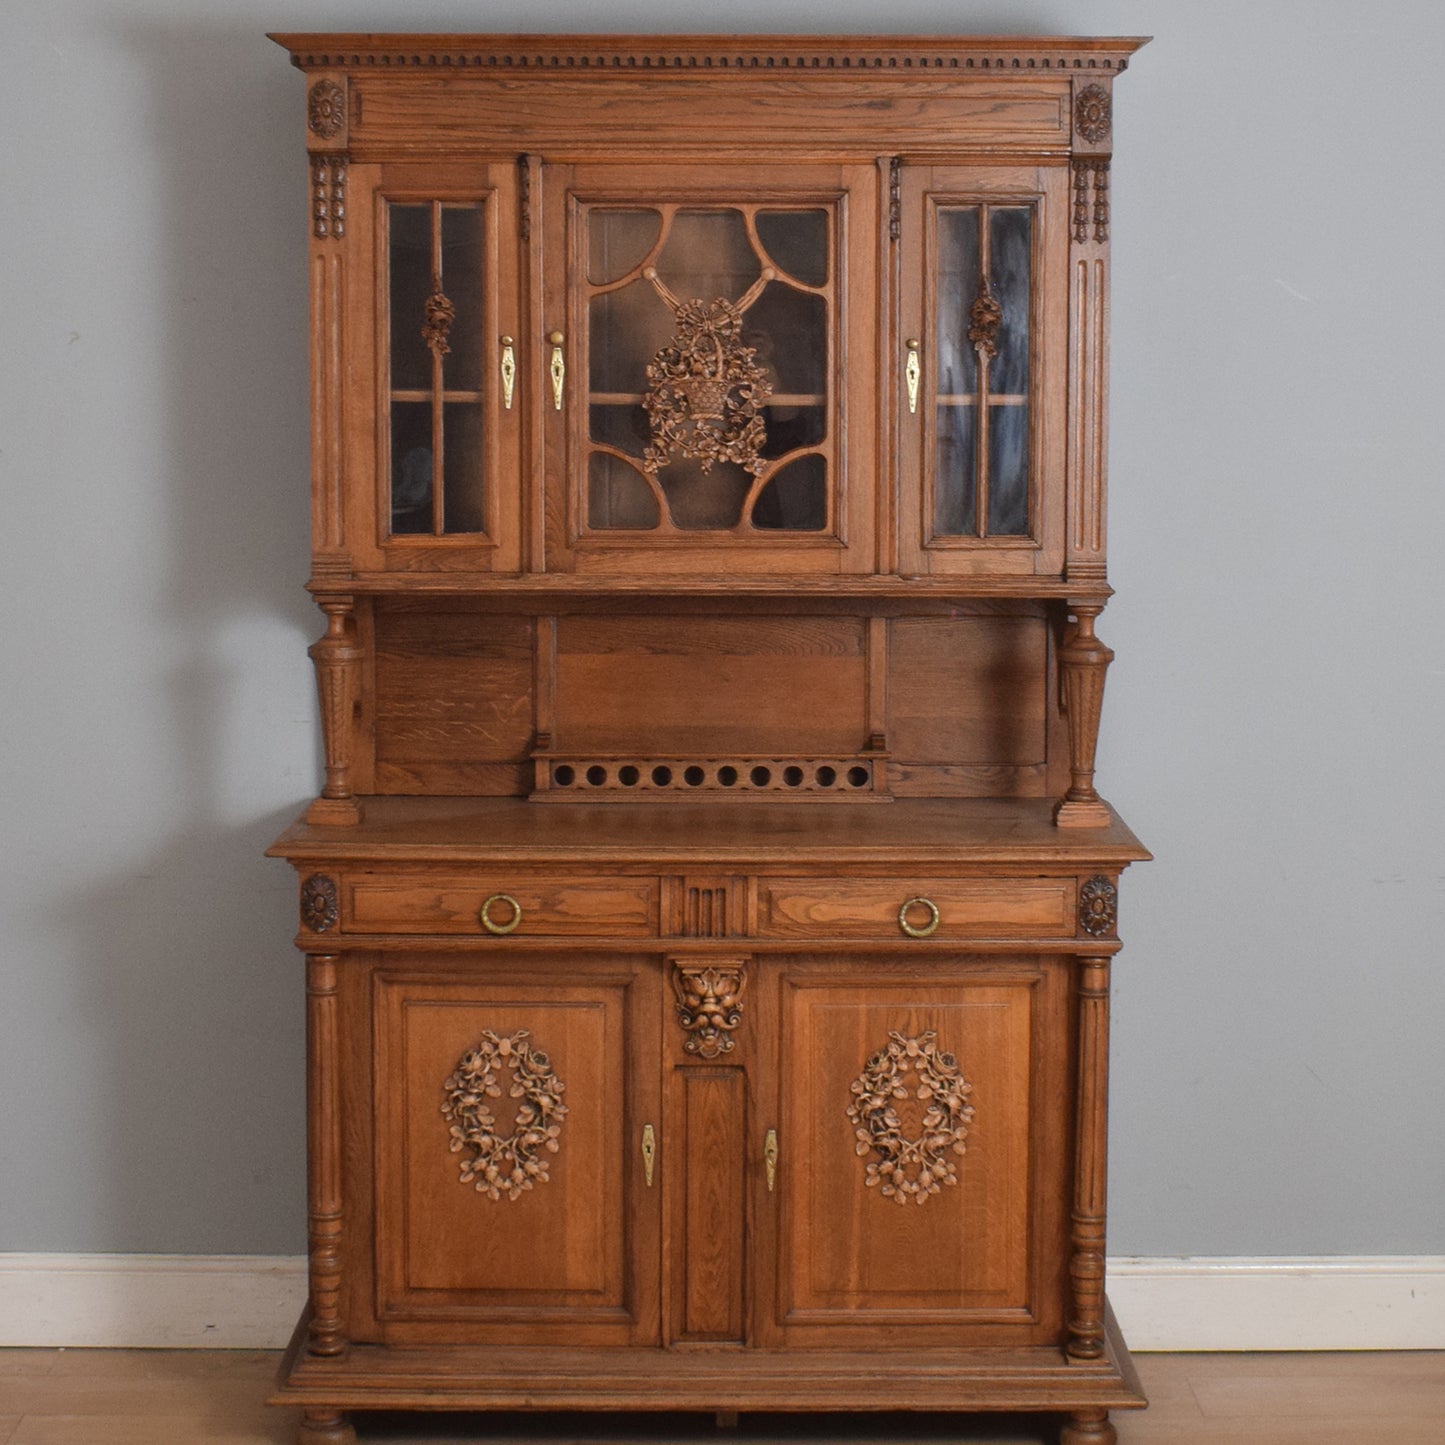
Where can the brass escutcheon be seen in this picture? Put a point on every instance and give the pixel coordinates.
(491, 924)
(928, 928)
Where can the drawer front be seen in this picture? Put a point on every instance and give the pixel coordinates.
(516, 906)
(892, 908)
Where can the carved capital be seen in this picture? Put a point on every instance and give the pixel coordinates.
(709, 1004)
(319, 908)
(1093, 114)
(326, 109)
(496, 1164)
(1098, 907)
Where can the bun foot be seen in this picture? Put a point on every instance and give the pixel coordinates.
(326, 1427)
(1089, 1427)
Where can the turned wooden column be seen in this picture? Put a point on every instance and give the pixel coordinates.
(337, 656)
(1083, 661)
(1091, 1141)
(325, 1218)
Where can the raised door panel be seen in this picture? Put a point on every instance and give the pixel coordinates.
(982, 370)
(921, 1127)
(511, 1098)
(436, 387)
(710, 334)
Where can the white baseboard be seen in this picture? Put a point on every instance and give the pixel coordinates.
(1346, 1302)
(252, 1302)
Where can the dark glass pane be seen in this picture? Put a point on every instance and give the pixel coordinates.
(617, 496)
(792, 427)
(1008, 471)
(796, 242)
(955, 497)
(618, 242)
(789, 331)
(624, 427)
(411, 467)
(1010, 229)
(708, 256)
(796, 500)
(410, 229)
(462, 467)
(701, 500)
(627, 328)
(462, 263)
(957, 286)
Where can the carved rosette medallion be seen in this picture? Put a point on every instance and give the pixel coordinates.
(916, 1071)
(709, 1005)
(1093, 114)
(706, 389)
(319, 908)
(326, 109)
(498, 1164)
(1098, 907)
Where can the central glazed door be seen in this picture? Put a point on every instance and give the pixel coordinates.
(697, 323)
(920, 1124)
(513, 1200)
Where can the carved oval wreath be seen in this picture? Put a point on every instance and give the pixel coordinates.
(498, 1164)
(911, 1168)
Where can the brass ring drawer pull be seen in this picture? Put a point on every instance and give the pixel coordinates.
(491, 924)
(912, 930)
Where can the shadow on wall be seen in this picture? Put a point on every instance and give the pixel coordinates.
(195, 993)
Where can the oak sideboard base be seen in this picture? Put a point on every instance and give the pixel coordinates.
(723, 1381)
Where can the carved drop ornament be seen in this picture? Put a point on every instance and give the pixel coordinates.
(985, 317)
(1098, 907)
(709, 1005)
(1093, 114)
(440, 313)
(907, 1168)
(326, 109)
(498, 1164)
(319, 907)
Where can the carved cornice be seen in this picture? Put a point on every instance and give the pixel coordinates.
(500, 1164)
(911, 1168)
(1098, 907)
(612, 54)
(709, 1005)
(319, 907)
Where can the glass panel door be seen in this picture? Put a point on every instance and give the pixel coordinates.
(712, 323)
(984, 271)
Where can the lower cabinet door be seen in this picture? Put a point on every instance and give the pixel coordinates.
(924, 1134)
(513, 1198)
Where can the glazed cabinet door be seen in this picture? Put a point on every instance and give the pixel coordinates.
(917, 1194)
(981, 370)
(514, 1201)
(710, 340)
(436, 382)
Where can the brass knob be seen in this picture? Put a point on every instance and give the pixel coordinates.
(491, 924)
(913, 930)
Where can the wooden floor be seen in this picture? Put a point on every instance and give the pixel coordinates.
(190, 1397)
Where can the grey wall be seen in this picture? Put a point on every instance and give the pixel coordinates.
(1273, 723)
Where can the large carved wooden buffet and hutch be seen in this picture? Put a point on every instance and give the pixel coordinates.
(709, 911)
